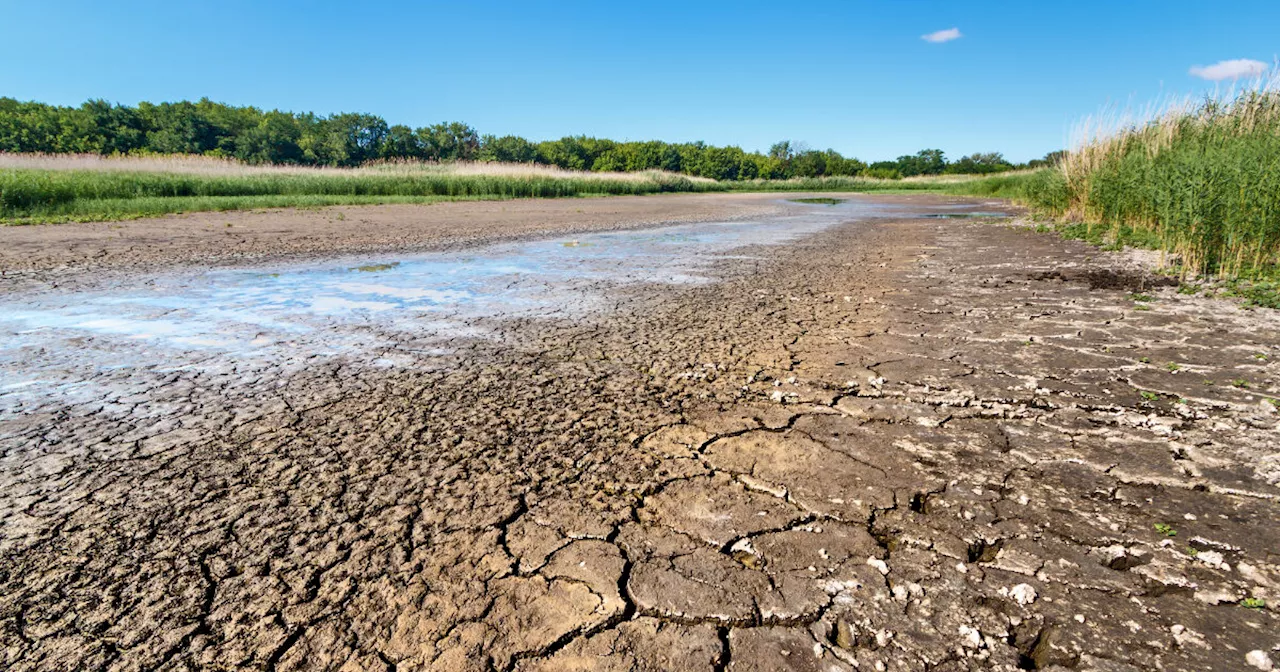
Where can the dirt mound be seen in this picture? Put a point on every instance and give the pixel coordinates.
(1128, 280)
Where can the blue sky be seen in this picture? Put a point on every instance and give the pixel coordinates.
(853, 76)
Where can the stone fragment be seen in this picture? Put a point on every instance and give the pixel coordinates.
(1023, 594)
(1259, 659)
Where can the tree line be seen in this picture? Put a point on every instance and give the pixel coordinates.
(253, 135)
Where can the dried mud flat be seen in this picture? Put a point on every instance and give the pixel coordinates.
(892, 445)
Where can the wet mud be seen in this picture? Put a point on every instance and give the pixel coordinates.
(888, 443)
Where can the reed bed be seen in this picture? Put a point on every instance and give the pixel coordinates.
(51, 188)
(1197, 178)
(196, 164)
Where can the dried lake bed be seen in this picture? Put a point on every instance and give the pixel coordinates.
(804, 437)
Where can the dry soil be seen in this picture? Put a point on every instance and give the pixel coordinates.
(896, 445)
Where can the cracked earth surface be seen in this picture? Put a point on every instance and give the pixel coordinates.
(892, 445)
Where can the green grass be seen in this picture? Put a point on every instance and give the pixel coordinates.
(1262, 293)
(838, 183)
(31, 196)
(1201, 181)
(34, 196)
(1017, 186)
(109, 210)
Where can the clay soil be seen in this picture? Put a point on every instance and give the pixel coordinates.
(909, 444)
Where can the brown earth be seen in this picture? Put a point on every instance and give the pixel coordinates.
(896, 445)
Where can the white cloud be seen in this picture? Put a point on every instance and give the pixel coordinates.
(942, 36)
(1233, 69)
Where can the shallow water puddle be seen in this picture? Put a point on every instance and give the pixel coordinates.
(361, 306)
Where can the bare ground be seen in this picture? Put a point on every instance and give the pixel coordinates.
(898, 445)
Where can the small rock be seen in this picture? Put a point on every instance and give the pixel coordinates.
(844, 635)
(879, 565)
(1259, 659)
(1217, 596)
(1023, 594)
(969, 637)
(1185, 636)
(744, 553)
(1213, 559)
(1121, 559)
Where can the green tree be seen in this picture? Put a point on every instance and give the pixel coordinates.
(573, 152)
(809, 164)
(781, 151)
(274, 139)
(112, 129)
(507, 149)
(402, 143)
(349, 139)
(252, 135)
(1050, 160)
(924, 162)
(449, 141)
(177, 128)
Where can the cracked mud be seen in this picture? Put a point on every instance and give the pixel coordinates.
(892, 444)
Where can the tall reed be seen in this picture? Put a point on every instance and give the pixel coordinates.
(40, 189)
(1201, 177)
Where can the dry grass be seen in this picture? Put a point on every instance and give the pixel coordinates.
(192, 164)
(50, 188)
